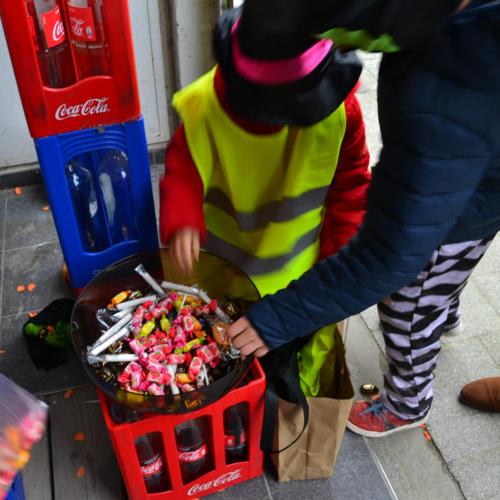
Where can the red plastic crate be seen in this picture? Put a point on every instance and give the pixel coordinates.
(90, 102)
(222, 475)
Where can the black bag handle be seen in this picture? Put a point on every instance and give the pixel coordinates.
(282, 374)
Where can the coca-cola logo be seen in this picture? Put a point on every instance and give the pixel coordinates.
(58, 31)
(94, 106)
(228, 477)
(77, 27)
(152, 467)
(193, 456)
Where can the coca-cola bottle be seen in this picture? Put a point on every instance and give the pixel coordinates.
(235, 438)
(116, 191)
(88, 37)
(87, 206)
(149, 451)
(192, 450)
(54, 53)
(148, 448)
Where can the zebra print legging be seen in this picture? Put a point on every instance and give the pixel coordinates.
(413, 319)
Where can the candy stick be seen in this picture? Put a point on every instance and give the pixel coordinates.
(132, 303)
(110, 341)
(190, 290)
(149, 279)
(182, 304)
(120, 314)
(172, 369)
(205, 374)
(109, 333)
(113, 358)
(219, 312)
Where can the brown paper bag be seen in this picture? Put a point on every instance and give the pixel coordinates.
(314, 455)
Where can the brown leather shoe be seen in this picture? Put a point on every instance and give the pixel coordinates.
(483, 394)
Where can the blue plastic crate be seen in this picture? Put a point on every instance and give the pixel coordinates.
(17, 490)
(99, 187)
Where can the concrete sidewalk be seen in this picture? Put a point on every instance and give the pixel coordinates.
(463, 458)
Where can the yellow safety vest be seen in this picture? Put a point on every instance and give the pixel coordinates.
(264, 194)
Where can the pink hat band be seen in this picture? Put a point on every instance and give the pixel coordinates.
(278, 71)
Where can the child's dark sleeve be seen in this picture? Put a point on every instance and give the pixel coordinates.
(181, 190)
(345, 203)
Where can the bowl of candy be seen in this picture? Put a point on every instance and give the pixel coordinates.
(155, 341)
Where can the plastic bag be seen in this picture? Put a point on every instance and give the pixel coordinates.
(22, 424)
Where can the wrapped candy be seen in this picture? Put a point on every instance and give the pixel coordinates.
(195, 366)
(147, 328)
(136, 346)
(175, 359)
(172, 339)
(205, 353)
(183, 378)
(156, 390)
(137, 320)
(160, 309)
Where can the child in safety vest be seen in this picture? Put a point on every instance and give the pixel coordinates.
(249, 175)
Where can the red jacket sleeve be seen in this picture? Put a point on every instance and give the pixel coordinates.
(181, 190)
(346, 199)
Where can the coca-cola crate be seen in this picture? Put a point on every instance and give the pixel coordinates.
(74, 62)
(173, 466)
(99, 186)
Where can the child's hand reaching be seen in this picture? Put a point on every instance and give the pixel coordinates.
(184, 249)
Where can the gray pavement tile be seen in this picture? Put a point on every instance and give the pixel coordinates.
(492, 343)
(414, 467)
(356, 476)
(33, 188)
(40, 264)
(457, 430)
(254, 489)
(478, 475)
(305, 490)
(16, 364)
(371, 319)
(478, 316)
(489, 285)
(365, 359)
(26, 222)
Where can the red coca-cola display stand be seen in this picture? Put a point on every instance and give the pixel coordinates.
(178, 469)
(73, 61)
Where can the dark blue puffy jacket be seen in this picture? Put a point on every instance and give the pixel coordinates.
(438, 179)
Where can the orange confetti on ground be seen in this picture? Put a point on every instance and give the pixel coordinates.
(427, 435)
(31, 287)
(46, 208)
(80, 472)
(69, 394)
(20, 288)
(32, 314)
(79, 437)
(18, 190)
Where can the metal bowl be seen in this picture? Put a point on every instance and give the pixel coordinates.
(218, 277)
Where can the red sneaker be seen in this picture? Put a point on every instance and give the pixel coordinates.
(373, 419)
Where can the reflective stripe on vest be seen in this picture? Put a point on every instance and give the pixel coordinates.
(264, 194)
